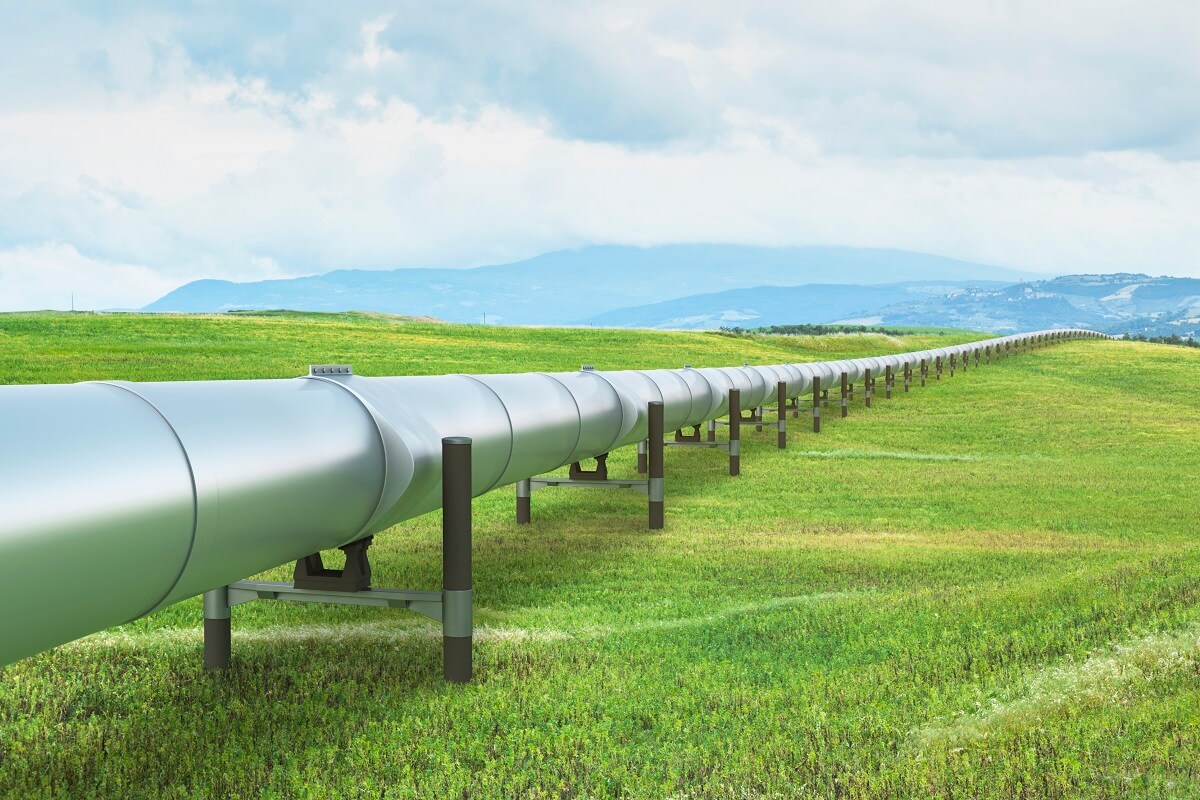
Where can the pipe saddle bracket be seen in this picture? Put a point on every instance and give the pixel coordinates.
(311, 572)
(600, 473)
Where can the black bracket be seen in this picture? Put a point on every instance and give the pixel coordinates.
(600, 473)
(311, 572)
(694, 436)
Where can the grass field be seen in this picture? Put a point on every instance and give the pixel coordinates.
(986, 588)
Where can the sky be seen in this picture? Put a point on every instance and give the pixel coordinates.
(143, 145)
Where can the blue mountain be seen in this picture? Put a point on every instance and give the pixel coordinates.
(572, 285)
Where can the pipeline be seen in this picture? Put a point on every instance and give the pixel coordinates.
(123, 498)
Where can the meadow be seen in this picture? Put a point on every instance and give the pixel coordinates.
(989, 587)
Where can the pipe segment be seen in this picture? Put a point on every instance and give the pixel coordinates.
(122, 498)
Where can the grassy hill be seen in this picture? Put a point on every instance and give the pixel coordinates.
(986, 588)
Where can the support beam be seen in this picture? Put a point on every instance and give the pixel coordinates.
(641, 456)
(457, 623)
(735, 432)
(887, 382)
(781, 407)
(924, 371)
(907, 375)
(524, 495)
(656, 491)
(868, 385)
(816, 401)
(845, 399)
(217, 629)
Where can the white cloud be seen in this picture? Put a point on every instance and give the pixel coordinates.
(159, 148)
(46, 277)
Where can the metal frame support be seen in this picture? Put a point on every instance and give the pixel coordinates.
(652, 486)
(939, 367)
(656, 490)
(907, 375)
(781, 407)
(641, 455)
(452, 606)
(952, 365)
(924, 371)
(845, 399)
(868, 385)
(816, 401)
(888, 380)
(218, 631)
(735, 432)
(457, 624)
(524, 499)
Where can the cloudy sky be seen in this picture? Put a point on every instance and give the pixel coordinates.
(142, 147)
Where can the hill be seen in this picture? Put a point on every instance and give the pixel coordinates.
(777, 305)
(1119, 303)
(564, 287)
(989, 587)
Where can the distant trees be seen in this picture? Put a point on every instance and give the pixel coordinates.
(1174, 338)
(811, 330)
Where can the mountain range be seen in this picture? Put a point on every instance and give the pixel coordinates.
(713, 286)
(567, 287)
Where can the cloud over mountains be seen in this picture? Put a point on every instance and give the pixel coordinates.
(143, 145)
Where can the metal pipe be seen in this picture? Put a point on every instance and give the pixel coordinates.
(134, 496)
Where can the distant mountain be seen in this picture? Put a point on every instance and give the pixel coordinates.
(1117, 303)
(571, 285)
(780, 305)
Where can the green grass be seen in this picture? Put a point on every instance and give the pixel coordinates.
(989, 587)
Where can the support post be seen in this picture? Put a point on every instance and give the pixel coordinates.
(217, 633)
(641, 455)
(735, 432)
(939, 368)
(781, 404)
(976, 351)
(907, 375)
(457, 623)
(524, 492)
(887, 382)
(845, 398)
(758, 417)
(868, 385)
(952, 365)
(712, 430)
(924, 371)
(816, 410)
(655, 491)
